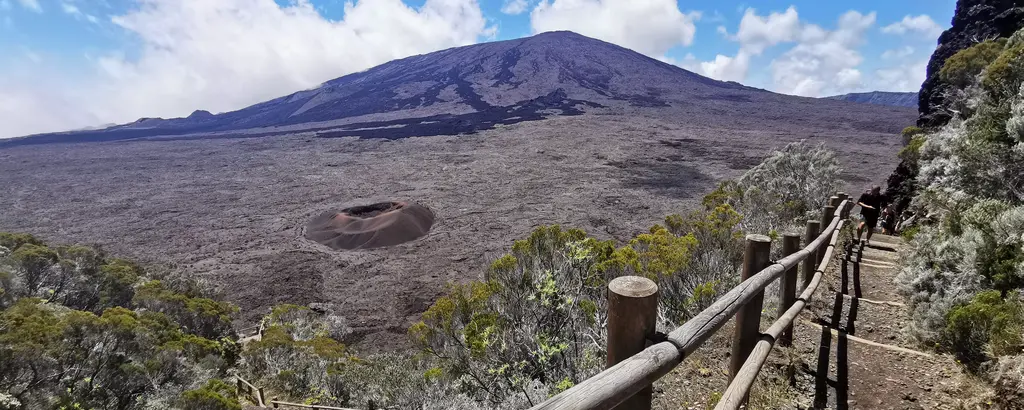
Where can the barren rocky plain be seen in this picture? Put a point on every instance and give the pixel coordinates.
(232, 211)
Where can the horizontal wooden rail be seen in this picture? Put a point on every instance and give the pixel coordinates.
(734, 395)
(623, 380)
(276, 404)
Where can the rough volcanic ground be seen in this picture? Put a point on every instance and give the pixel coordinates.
(232, 210)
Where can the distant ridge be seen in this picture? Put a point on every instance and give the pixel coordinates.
(880, 98)
(467, 89)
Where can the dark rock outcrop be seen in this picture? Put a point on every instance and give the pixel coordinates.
(975, 21)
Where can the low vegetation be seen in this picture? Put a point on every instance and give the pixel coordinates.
(966, 266)
(82, 330)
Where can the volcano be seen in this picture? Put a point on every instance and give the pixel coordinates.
(472, 88)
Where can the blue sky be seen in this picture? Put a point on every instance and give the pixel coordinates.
(75, 63)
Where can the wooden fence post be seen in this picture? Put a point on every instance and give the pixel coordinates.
(813, 229)
(842, 197)
(748, 318)
(826, 218)
(632, 315)
(787, 285)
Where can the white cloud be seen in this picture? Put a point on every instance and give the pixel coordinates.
(727, 68)
(922, 25)
(73, 10)
(906, 78)
(224, 55)
(716, 17)
(898, 53)
(31, 5)
(757, 33)
(515, 6)
(651, 27)
(824, 62)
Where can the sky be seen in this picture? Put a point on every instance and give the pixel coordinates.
(72, 64)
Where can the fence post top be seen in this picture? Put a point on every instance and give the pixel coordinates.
(758, 238)
(813, 222)
(633, 286)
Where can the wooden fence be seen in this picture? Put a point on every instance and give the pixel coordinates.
(258, 397)
(632, 308)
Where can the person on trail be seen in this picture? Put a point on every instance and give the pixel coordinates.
(888, 221)
(870, 204)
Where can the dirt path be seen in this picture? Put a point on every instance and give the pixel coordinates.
(859, 359)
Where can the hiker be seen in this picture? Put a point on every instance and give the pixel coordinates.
(889, 221)
(870, 202)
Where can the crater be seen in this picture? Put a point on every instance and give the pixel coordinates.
(370, 226)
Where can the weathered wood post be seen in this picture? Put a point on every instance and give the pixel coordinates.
(826, 218)
(259, 390)
(842, 197)
(632, 315)
(787, 285)
(813, 229)
(748, 318)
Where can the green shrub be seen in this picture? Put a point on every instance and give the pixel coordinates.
(963, 68)
(988, 324)
(782, 191)
(535, 317)
(909, 133)
(117, 280)
(296, 357)
(1002, 78)
(73, 337)
(908, 233)
(911, 152)
(202, 316)
(215, 395)
(12, 240)
(33, 262)
(999, 263)
(988, 126)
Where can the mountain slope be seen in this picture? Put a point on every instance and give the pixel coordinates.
(466, 89)
(880, 98)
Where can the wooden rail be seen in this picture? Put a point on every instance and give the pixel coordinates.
(734, 395)
(258, 397)
(277, 404)
(617, 385)
(253, 393)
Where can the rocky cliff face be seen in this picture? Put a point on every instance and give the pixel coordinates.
(975, 21)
